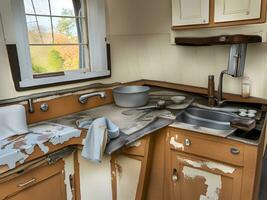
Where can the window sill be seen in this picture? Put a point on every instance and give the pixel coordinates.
(56, 80)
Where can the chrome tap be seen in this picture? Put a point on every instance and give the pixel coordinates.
(236, 67)
(84, 98)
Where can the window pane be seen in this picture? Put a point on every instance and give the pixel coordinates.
(40, 7)
(28, 7)
(55, 58)
(64, 7)
(65, 30)
(39, 30)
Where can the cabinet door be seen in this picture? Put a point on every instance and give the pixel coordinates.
(194, 178)
(190, 12)
(235, 10)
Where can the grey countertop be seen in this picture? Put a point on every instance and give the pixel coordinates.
(140, 123)
(134, 124)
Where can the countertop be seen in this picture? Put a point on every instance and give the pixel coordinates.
(133, 125)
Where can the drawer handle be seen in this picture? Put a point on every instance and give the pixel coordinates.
(27, 183)
(174, 175)
(187, 142)
(235, 151)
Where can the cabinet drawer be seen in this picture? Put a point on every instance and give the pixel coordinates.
(30, 179)
(206, 146)
(137, 148)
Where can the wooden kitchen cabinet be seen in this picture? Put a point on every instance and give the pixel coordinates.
(42, 183)
(187, 14)
(200, 166)
(229, 10)
(190, 12)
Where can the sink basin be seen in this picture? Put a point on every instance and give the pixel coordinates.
(210, 119)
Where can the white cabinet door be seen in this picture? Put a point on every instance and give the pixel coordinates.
(234, 10)
(190, 12)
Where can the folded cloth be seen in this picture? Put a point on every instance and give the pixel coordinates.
(99, 133)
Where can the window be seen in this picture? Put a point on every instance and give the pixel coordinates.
(60, 40)
(56, 36)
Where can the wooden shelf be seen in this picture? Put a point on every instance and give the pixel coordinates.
(217, 40)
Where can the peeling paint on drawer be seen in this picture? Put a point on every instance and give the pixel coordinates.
(209, 164)
(177, 145)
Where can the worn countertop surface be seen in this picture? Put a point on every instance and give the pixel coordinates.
(133, 124)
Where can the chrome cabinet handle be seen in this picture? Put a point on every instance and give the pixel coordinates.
(187, 142)
(27, 183)
(174, 175)
(235, 151)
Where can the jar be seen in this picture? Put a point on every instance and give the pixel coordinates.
(245, 87)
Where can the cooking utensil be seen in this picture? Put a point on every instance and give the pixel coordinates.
(178, 99)
(182, 106)
(160, 104)
(131, 96)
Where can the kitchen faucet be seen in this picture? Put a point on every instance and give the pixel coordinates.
(220, 89)
(84, 98)
(236, 66)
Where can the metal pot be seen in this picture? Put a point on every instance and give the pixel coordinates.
(131, 96)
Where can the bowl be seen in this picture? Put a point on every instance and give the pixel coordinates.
(178, 99)
(131, 96)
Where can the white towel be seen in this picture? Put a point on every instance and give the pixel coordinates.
(12, 121)
(100, 131)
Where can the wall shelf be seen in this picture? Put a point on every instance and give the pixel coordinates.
(217, 40)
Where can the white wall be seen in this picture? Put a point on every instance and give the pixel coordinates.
(146, 26)
(140, 39)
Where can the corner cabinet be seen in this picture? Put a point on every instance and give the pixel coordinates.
(188, 14)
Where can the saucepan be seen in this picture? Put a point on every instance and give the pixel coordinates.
(131, 96)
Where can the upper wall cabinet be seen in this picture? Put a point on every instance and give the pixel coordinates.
(188, 14)
(229, 10)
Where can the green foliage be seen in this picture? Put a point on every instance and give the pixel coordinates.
(38, 69)
(55, 60)
(66, 25)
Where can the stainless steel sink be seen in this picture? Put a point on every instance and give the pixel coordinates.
(207, 118)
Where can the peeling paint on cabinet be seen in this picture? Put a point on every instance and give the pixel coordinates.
(69, 171)
(213, 182)
(18, 149)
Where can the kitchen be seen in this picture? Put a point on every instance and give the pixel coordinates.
(185, 145)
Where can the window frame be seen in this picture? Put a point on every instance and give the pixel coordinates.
(99, 58)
